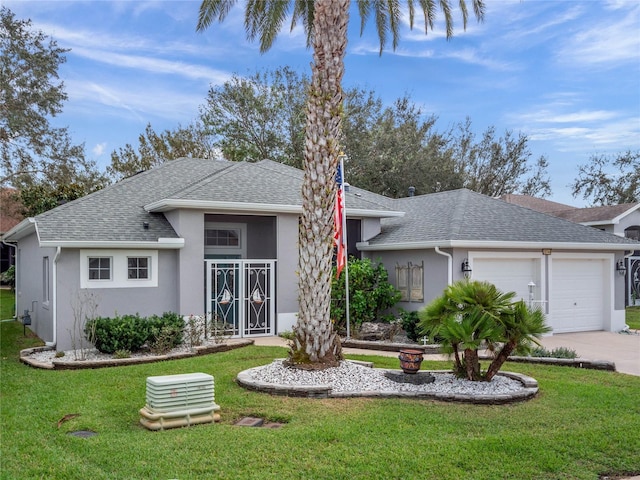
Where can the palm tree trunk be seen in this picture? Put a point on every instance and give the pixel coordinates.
(315, 340)
(499, 360)
(472, 364)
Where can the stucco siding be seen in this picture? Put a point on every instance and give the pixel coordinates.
(286, 277)
(31, 284)
(435, 272)
(112, 301)
(189, 224)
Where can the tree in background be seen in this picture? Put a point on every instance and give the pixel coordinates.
(325, 24)
(32, 151)
(496, 166)
(609, 179)
(156, 148)
(259, 117)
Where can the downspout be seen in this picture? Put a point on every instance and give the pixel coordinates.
(449, 264)
(15, 290)
(54, 306)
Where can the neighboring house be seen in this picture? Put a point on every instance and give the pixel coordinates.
(194, 236)
(10, 216)
(622, 220)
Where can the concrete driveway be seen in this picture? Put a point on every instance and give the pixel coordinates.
(622, 349)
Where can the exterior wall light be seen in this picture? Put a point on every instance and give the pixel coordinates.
(466, 268)
(621, 268)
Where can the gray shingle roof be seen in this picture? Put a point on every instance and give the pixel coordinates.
(463, 215)
(117, 214)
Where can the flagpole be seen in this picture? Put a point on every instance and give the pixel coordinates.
(344, 240)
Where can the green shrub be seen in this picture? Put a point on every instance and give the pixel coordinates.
(131, 332)
(559, 352)
(9, 276)
(165, 332)
(370, 294)
(410, 322)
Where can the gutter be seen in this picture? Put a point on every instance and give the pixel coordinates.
(54, 306)
(479, 244)
(449, 264)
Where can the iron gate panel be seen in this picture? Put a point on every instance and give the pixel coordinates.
(240, 293)
(633, 281)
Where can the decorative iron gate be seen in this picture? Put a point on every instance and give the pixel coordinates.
(633, 280)
(240, 293)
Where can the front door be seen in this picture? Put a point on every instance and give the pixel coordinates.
(240, 293)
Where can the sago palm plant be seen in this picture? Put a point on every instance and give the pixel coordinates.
(472, 314)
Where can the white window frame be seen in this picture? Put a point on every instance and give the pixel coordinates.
(101, 257)
(240, 251)
(138, 268)
(119, 269)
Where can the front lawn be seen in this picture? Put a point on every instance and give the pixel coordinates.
(7, 301)
(583, 423)
(633, 317)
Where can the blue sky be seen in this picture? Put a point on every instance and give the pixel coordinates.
(566, 73)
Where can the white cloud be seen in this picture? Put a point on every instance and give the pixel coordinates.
(99, 149)
(611, 40)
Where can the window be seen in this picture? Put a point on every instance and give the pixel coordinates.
(138, 268)
(409, 282)
(45, 280)
(99, 268)
(222, 237)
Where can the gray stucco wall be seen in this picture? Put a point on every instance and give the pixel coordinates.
(30, 286)
(287, 279)
(189, 279)
(112, 301)
(435, 273)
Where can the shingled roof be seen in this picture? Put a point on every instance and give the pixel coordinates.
(462, 217)
(130, 211)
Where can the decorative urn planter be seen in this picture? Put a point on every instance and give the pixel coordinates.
(410, 360)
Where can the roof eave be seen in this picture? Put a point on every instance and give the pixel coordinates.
(160, 244)
(166, 205)
(366, 246)
(24, 228)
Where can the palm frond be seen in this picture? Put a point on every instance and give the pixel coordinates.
(303, 10)
(213, 10)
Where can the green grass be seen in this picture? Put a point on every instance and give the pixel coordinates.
(582, 424)
(633, 317)
(7, 301)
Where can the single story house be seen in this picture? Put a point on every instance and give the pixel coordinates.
(200, 236)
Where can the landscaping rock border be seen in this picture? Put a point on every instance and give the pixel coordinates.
(119, 362)
(529, 390)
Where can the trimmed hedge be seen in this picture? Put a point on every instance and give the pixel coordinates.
(131, 332)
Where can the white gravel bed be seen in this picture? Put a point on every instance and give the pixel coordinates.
(351, 377)
(73, 356)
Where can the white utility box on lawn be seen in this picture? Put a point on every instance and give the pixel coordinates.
(179, 401)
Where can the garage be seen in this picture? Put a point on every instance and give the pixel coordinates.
(579, 294)
(509, 274)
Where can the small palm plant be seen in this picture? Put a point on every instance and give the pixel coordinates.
(472, 314)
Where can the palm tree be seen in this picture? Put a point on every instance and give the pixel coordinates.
(520, 331)
(325, 24)
(466, 316)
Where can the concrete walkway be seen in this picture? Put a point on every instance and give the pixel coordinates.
(622, 349)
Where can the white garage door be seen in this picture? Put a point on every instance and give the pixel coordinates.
(578, 295)
(509, 274)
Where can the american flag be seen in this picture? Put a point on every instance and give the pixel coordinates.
(340, 235)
